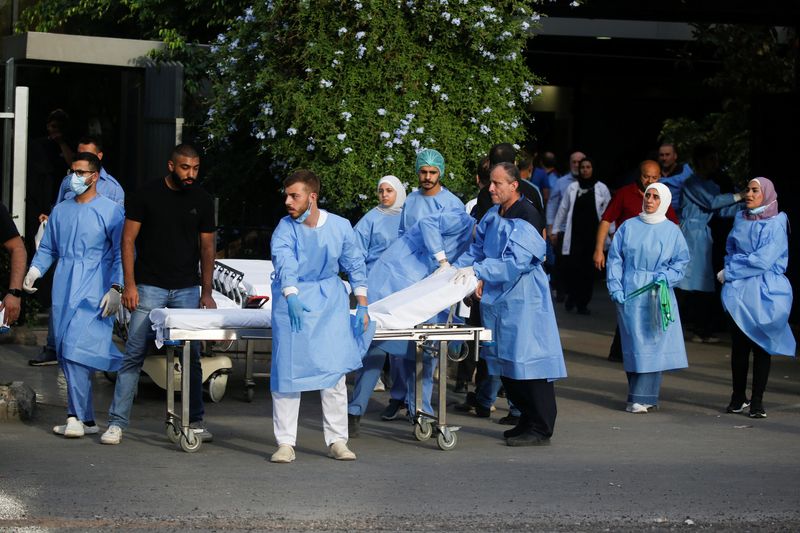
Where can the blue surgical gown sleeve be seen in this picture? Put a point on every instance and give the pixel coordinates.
(47, 253)
(614, 262)
(772, 245)
(524, 249)
(352, 261)
(702, 194)
(283, 254)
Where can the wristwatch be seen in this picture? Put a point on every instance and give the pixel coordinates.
(15, 292)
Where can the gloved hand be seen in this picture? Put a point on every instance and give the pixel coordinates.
(619, 297)
(111, 302)
(27, 283)
(361, 314)
(463, 275)
(444, 265)
(721, 276)
(296, 309)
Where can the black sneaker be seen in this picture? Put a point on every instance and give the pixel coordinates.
(757, 411)
(46, 358)
(392, 410)
(737, 406)
(509, 420)
(353, 425)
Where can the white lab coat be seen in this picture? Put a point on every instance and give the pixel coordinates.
(563, 220)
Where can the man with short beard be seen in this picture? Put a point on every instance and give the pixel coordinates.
(169, 229)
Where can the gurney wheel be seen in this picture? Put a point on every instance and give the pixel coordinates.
(173, 433)
(423, 430)
(216, 387)
(186, 445)
(446, 443)
(249, 394)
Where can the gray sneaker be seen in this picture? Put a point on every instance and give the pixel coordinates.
(200, 430)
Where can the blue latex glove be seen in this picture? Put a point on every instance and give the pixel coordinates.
(618, 297)
(296, 309)
(360, 327)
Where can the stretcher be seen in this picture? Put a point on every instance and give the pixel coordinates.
(176, 327)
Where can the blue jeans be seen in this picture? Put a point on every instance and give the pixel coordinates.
(366, 379)
(486, 394)
(644, 388)
(140, 335)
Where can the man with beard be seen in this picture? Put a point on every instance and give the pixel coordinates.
(626, 203)
(169, 229)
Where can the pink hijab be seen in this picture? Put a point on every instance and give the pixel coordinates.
(770, 200)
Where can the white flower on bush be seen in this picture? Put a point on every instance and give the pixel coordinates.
(346, 116)
(325, 84)
(381, 111)
(291, 132)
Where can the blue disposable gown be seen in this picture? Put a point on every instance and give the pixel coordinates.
(417, 206)
(375, 232)
(516, 305)
(310, 259)
(700, 200)
(84, 239)
(639, 253)
(756, 293)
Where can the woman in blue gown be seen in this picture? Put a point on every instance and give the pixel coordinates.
(756, 293)
(645, 249)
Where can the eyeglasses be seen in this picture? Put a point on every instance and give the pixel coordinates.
(84, 173)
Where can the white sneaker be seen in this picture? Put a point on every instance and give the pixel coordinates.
(112, 435)
(341, 452)
(284, 454)
(87, 430)
(379, 386)
(637, 408)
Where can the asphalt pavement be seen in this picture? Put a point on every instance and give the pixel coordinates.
(685, 466)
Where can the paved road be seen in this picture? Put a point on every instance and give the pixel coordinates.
(686, 466)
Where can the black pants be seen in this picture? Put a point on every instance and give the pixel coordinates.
(741, 346)
(536, 400)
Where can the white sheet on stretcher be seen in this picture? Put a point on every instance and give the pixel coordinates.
(421, 301)
(205, 319)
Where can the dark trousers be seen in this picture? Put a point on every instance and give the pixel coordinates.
(741, 346)
(536, 400)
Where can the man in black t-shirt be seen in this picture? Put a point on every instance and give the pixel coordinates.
(169, 229)
(12, 242)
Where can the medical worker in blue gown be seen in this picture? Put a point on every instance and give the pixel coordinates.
(700, 200)
(756, 293)
(314, 341)
(429, 199)
(83, 238)
(645, 249)
(516, 305)
(374, 233)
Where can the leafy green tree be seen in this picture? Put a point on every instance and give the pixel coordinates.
(754, 60)
(352, 89)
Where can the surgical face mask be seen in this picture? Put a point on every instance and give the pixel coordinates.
(760, 209)
(77, 184)
(302, 218)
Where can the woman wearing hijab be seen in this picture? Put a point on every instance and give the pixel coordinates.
(375, 231)
(646, 249)
(756, 294)
(578, 217)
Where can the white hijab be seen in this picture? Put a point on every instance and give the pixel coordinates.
(660, 214)
(397, 206)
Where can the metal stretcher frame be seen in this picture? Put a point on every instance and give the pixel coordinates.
(177, 425)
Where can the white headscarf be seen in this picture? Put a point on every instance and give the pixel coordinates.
(661, 213)
(397, 206)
